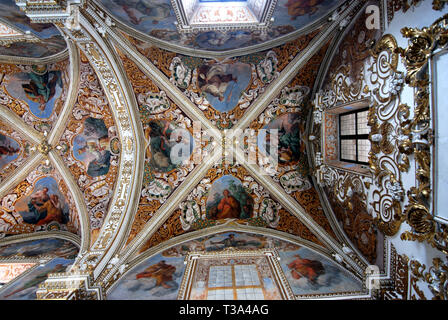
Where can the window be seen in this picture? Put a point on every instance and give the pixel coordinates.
(234, 282)
(354, 145)
(234, 274)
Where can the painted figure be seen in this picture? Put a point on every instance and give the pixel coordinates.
(229, 200)
(45, 205)
(310, 269)
(42, 87)
(46, 208)
(161, 142)
(215, 80)
(141, 10)
(160, 271)
(9, 150)
(39, 278)
(93, 147)
(228, 207)
(298, 8)
(290, 145)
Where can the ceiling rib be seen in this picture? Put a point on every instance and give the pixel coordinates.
(192, 111)
(165, 211)
(72, 95)
(122, 103)
(14, 121)
(323, 70)
(173, 92)
(78, 197)
(20, 173)
(290, 71)
(292, 206)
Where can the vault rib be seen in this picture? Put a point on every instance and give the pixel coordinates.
(173, 92)
(290, 71)
(294, 208)
(72, 95)
(14, 121)
(123, 106)
(175, 199)
(20, 173)
(78, 197)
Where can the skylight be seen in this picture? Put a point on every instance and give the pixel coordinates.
(223, 15)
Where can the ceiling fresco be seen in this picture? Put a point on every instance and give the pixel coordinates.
(223, 89)
(49, 40)
(30, 262)
(90, 146)
(158, 20)
(354, 49)
(41, 202)
(35, 93)
(228, 195)
(288, 113)
(161, 121)
(14, 150)
(129, 149)
(35, 249)
(306, 271)
(26, 286)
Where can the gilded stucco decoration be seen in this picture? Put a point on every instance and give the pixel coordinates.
(90, 146)
(160, 120)
(435, 279)
(248, 202)
(397, 286)
(124, 111)
(41, 202)
(378, 86)
(21, 91)
(422, 43)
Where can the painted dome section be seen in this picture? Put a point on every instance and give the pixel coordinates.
(158, 20)
(37, 40)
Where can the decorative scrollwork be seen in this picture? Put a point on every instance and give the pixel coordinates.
(436, 278)
(422, 43)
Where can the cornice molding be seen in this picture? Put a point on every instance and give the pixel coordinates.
(131, 261)
(291, 70)
(33, 61)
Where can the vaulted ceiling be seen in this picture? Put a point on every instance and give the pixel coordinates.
(93, 106)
